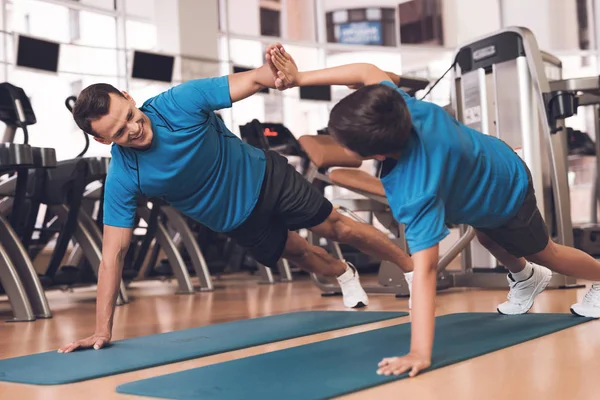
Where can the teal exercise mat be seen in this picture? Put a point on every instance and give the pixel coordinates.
(52, 368)
(335, 367)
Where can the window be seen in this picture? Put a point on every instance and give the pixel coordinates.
(141, 35)
(270, 22)
(141, 8)
(582, 22)
(37, 18)
(421, 22)
(87, 55)
(362, 26)
(74, 26)
(106, 4)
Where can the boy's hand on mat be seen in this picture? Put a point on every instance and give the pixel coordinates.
(412, 362)
(97, 341)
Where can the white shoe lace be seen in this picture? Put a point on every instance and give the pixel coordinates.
(592, 297)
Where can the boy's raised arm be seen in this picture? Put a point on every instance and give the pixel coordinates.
(354, 75)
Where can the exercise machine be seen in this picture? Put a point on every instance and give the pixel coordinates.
(502, 87)
(60, 191)
(564, 100)
(17, 275)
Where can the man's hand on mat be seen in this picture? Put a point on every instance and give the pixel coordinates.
(97, 341)
(412, 362)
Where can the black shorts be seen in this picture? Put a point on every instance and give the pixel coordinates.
(287, 202)
(526, 233)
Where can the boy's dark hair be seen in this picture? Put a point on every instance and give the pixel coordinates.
(92, 104)
(374, 120)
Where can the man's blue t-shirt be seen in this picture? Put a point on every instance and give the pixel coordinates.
(194, 163)
(450, 173)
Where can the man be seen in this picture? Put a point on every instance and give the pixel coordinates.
(175, 148)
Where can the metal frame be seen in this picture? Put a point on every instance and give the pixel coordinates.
(87, 235)
(22, 264)
(175, 219)
(166, 243)
(17, 295)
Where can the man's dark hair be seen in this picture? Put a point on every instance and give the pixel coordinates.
(92, 104)
(374, 120)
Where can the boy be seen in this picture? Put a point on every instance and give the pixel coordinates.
(437, 170)
(175, 148)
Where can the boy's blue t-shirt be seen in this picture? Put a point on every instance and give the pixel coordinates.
(194, 163)
(450, 173)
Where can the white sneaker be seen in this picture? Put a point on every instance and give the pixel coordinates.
(521, 294)
(408, 276)
(590, 305)
(354, 295)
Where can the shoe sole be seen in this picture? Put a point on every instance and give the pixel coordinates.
(581, 315)
(360, 305)
(543, 285)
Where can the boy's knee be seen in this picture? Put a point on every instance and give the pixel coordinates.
(546, 256)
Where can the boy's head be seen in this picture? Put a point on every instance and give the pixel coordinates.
(373, 122)
(111, 116)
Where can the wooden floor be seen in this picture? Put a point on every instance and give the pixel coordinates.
(564, 365)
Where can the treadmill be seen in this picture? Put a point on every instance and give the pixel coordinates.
(17, 275)
(60, 190)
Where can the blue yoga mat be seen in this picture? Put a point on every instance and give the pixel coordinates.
(335, 367)
(52, 368)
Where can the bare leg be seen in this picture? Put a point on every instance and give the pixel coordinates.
(319, 261)
(364, 237)
(512, 263)
(312, 258)
(568, 261)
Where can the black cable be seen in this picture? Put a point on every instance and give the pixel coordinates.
(25, 133)
(70, 103)
(439, 79)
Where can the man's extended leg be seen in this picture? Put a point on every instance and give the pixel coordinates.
(366, 238)
(315, 259)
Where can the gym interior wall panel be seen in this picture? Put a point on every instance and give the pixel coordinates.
(331, 5)
(244, 17)
(143, 8)
(167, 23)
(299, 20)
(554, 23)
(465, 20)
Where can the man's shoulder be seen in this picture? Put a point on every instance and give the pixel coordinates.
(118, 169)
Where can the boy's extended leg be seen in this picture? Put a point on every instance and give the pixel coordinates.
(526, 280)
(576, 263)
